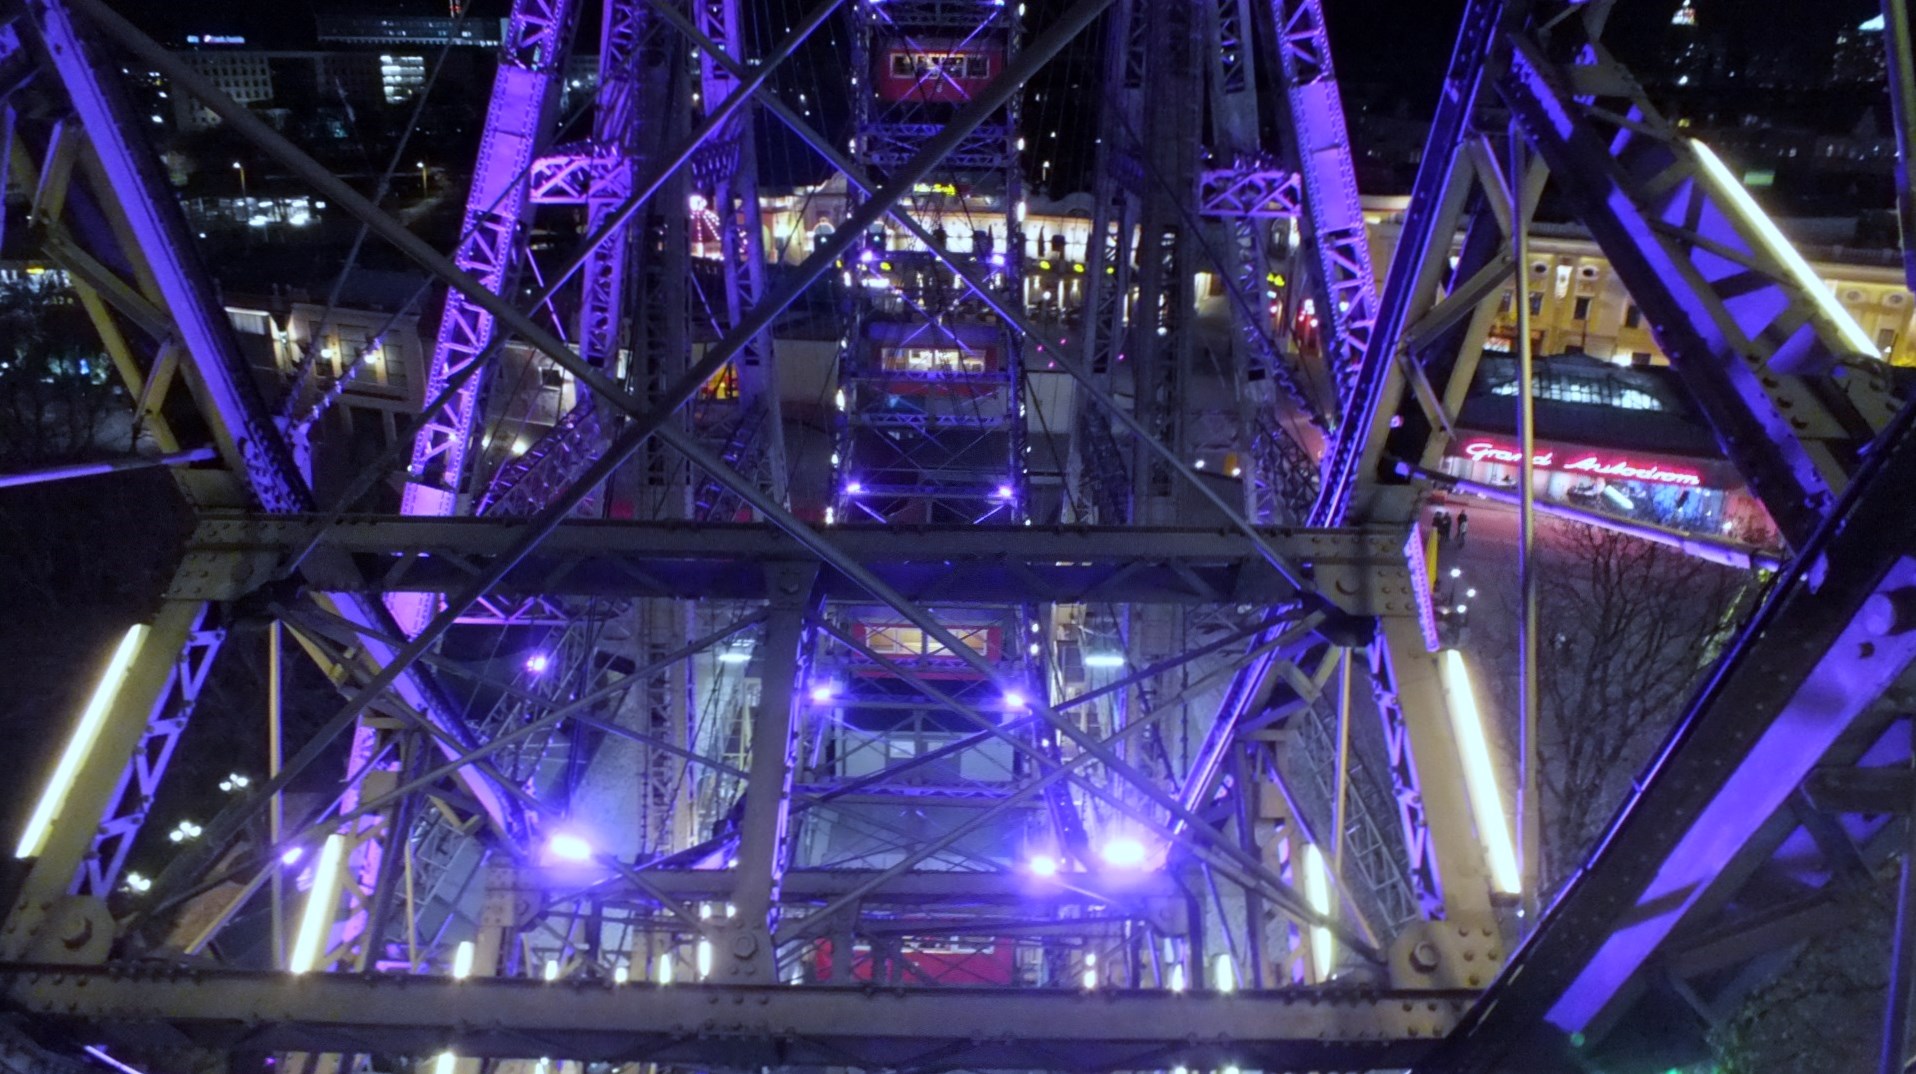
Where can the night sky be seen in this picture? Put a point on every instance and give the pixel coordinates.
(1384, 40)
(1390, 54)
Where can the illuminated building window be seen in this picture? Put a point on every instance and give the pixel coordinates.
(401, 77)
(1602, 391)
(723, 386)
(951, 64)
(930, 360)
(909, 641)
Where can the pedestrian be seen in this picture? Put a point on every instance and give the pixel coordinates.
(1463, 526)
(1441, 520)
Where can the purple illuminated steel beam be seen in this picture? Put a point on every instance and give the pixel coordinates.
(1346, 282)
(1012, 313)
(109, 466)
(883, 592)
(132, 799)
(535, 478)
(518, 121)
(1423, 239)
(742, 240)
(1902, 99)
(599, 175)
(615, 128)
(646, 423)
(1836, 633)
(248, 443)
(1747, 341)
(1419, 739)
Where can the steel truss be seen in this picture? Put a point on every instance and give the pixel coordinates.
(1799, 404)
(827, 757)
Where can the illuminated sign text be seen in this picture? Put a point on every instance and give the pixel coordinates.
(1590, 463)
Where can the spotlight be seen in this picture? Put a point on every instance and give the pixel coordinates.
(537, 663)
(1123, 853)
(570, 847)
(1044, 865)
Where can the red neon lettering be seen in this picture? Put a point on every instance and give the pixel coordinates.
(1593, 464)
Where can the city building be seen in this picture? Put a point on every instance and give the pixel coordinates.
(1579, 306)
(395, 31)
(1858, 56)
(373, 330)
(1623, 440)
(245, 75)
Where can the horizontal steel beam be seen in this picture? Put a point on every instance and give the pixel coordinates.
(1360, 572)
(738, 1027)
(943, 888)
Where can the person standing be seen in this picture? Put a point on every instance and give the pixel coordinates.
(1441, 520)
(1463, 526)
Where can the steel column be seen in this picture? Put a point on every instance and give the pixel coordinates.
(763, 852)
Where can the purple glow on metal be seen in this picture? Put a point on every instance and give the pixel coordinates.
(1123, 852)
(99, 1052)
(824, 692)
(998, 260)
(1014, 699)
(1044, 865)
(1004, 492)
(867, 257)
(518, 119)
(1805, 729)
(854, 487)
(569, 846)
(537, 663)
(292, 855)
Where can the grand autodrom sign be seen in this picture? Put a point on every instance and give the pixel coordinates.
(1589, 463)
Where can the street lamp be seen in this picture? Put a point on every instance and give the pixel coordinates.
(424, 183)
(241, 168)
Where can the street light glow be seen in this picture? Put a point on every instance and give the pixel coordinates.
(1123, 852)
(1317, 892)
(1224, 974)
(1745, 208)
(1480, 775)
(570, 846)
(85, 734)
(316, 922)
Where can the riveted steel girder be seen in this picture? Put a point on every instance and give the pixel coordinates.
(742, 1027)
(1358, 571)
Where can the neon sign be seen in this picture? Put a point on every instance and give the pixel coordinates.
(1615, 467)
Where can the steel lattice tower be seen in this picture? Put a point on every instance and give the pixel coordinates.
(1061, 758)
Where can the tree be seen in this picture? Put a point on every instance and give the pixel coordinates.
(59, 400)
(85, 556)
(1626, 629)
(1822, 1008)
